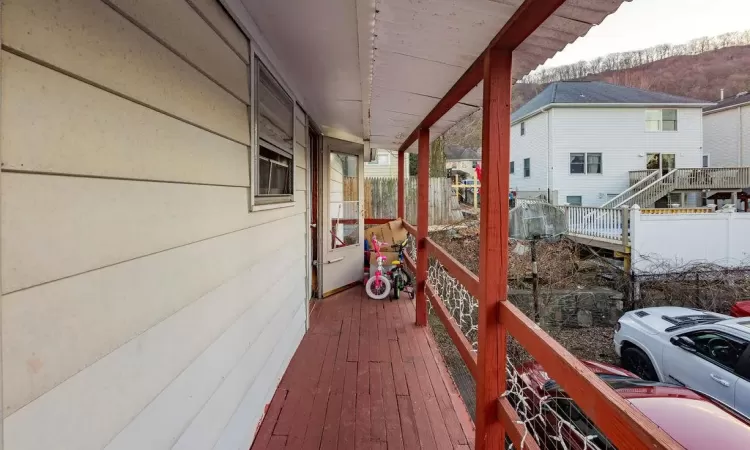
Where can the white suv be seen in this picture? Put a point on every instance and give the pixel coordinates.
(701, 350)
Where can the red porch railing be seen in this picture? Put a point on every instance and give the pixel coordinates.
(623, 425)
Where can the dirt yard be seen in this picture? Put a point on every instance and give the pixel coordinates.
(559, 267)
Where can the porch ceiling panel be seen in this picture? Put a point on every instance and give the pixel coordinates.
(382, 87)
(421, 47)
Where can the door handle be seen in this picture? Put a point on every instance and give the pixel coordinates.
(330, 261)
(720, 380)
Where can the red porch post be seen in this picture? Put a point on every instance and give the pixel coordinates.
(493, 253)
(401, 187)
(423, 194)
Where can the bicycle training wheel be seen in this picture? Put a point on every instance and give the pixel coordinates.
(378, 291)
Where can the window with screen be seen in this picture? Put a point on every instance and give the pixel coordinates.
(661, 120)
(275, 128)
(577, 163)
(582, 163)
(527, 167)
(523, 128)
(593, 163)
(512, 167)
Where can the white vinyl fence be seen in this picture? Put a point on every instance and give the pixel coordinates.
(665, 242)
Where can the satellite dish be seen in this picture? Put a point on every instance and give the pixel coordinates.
(530, 221)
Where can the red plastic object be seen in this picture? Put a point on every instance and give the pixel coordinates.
(741, 309)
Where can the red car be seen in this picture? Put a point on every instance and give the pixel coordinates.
(692, 419)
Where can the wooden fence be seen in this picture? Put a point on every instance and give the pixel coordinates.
(380, 200)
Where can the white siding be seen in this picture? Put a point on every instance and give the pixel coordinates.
(620, 135)
(534, 144)
(142, 305)
(389, 170)
(721, 135)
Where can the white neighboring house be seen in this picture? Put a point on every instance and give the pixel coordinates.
(385, 165)
(726, 135)
(576, 142)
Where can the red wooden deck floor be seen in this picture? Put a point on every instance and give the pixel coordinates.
(366, 377)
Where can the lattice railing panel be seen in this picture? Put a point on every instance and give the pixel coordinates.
(462, 306)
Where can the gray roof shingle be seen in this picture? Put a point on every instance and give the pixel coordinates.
(592, 92)
(739, 99)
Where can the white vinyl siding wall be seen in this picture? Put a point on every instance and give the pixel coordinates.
(534, 144)
(620, 135)
(142, 305)
(723, 135)
(386, 170)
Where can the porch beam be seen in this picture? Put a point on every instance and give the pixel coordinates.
(423, 194)
(527, 18)
(401, 186)
(493, 253)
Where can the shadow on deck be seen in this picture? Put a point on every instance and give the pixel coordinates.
(365, 376)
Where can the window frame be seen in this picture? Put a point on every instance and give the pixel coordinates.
(583, 163)
(580, 201)
(255, 201)
(523, 128)
(706, 160)
(601, 163)
(512, 167)
(527, 168)
(586, 163)
(660, 121)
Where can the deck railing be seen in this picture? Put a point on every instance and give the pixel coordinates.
(686, 179)
(614, 416)
(633, 189)
(636, 176)
(598, 222)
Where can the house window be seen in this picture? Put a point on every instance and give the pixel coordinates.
(383, 159)
(574, 200)
(512, 167)
(343, 195)
(581, 163)
(593, 163)
(275, 130)
(661, 120)
(523, 128)
(577, 163)
(527, 167)
(706, 160)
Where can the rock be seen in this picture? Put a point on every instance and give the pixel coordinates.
(585, 319)
(520, 249)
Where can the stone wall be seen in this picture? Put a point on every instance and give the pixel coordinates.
(573, 308)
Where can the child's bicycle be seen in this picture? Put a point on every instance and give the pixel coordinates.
(378, 286)
(400, 278)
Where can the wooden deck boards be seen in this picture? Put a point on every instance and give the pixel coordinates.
(365, 377)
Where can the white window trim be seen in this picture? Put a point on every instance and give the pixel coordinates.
(268, 203)
(586, 163)
(524, 168)
(661, 120)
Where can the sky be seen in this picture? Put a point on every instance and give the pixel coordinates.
(645, 23)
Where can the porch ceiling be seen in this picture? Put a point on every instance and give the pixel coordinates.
(390, 61)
